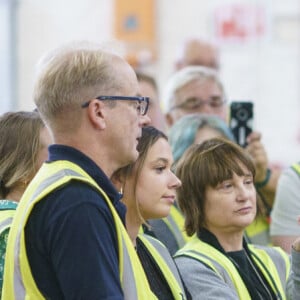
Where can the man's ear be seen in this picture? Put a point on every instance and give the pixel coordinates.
(97, 114)
(169, 119)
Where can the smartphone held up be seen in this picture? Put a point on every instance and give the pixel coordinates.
(241, 120)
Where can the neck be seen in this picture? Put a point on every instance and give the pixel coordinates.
(230, 241)
(91, 149)
(133, 224)
(15, 195)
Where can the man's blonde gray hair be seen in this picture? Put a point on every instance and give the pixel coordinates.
(185, 76)
(70, 76)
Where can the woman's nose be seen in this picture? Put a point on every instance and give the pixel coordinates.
(175, 181)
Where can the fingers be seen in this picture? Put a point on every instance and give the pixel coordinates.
(259, 154)
(253, 136)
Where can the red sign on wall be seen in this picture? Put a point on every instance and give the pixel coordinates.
(239, 23)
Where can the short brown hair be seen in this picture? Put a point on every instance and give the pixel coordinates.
(204, 165)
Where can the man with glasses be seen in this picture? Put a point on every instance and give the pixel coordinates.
(68, 238)
(198, 89)
(194, 89)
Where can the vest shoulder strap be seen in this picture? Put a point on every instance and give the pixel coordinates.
(175, 222)
(52, 176)
(274, 263)
(216, 261)
(165, 263)
(296, 168)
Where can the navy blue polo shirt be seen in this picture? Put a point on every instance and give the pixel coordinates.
(71, 238)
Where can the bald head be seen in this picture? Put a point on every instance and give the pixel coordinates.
(197, 52)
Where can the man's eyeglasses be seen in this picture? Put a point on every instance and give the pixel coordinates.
(142, 102)
(195, 103)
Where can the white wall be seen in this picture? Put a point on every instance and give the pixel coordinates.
(46, 24)
(265, 72)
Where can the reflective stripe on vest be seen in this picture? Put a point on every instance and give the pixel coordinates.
(18, 280)
(164, 261)
(218, 262)
(273, 263)
(296, 167)
(175, 223)
(4, 224)
(258, 232)
(6, 218)
(7, 212)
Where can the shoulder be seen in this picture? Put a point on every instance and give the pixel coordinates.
(289, 176)
(72, 195)
(287, 193)
(155, 247)
(286, 204)
(201, 280)
(74, 205)
(296, 167)
(162, 232)
(280, 258)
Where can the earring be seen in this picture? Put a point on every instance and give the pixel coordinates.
(121, 191)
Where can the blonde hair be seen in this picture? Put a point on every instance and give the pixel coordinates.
(70, 76)
(19, 148)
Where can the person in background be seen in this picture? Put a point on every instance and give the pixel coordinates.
(195, 129)
(218, 198)
(148, 87)
(148, 188)
(194, 89)
(23, 149)
(189, 130)
(197, 89)
(68, 239)
(197, 52)
(283, 229)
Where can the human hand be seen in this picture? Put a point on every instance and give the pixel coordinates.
(259, 155)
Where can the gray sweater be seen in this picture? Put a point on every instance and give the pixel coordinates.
(204, 283)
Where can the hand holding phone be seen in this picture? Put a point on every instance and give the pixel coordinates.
(241, 120)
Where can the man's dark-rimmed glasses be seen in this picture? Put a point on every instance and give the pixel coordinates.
(196, 103)
(143, 102)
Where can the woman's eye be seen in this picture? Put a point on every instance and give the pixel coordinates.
(159, 169)
(249, 181)
(226, 185)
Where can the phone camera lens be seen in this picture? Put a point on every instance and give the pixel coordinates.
(242, 114)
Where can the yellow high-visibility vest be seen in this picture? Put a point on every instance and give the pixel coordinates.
(164, 261)
(273, 262)
(18, 280)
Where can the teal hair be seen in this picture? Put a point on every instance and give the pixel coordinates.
(182, 134)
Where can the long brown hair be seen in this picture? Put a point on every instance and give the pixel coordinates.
(19, 148)
(149, 137)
